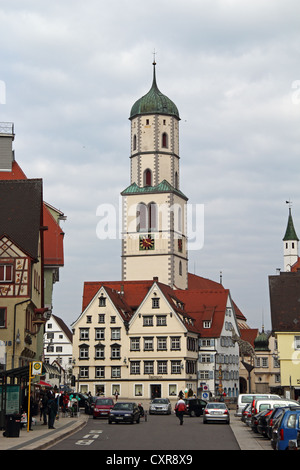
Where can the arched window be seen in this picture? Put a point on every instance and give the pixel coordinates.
(147, 177)
(180, 268)
(146, 217)
(165, 140)
(152, 216)
(141, 218)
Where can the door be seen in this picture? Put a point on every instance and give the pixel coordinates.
(155, 391)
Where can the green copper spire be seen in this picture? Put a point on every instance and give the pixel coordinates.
(154, 102)
(290, 233)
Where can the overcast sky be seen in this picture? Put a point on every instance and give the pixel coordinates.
(70, 73)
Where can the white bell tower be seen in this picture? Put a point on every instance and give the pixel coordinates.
(154, 240)
(290, 244)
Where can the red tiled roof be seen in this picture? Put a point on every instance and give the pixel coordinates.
(53, 240)
(249, 335)
(15, 174)
(205, 305)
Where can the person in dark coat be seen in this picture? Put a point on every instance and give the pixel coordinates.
(44, 408)
(52, 410)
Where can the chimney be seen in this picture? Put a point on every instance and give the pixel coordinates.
(6, 152)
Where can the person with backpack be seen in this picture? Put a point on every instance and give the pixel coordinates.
(180, 409)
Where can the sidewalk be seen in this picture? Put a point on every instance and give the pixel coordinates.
(41, 437)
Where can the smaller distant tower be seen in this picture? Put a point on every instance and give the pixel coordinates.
(290, 244)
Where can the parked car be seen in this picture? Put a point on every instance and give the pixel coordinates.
(216, 411)
(89, 405)
(160, 406)
(195, 406)
(254, 420)
(245, 398)
(102, 407)
(124, 412)
(262, 425)
(260, 405)
(286, 429)
(274, 417)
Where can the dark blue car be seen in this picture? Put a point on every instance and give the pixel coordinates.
(124, 412)
(286, 429)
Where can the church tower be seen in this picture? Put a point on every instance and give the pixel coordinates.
(154, 242)
(290, 244)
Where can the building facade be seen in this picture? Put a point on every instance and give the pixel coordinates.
(58, 348)
(160, 330)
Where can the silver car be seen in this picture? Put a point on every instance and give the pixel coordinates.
(160, 406)
(215, 411)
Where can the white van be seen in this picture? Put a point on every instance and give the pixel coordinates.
(245, 398)
(261, 405)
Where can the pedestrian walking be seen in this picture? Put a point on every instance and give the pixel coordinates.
(180, 409)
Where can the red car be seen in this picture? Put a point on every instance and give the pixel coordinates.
(102, 407)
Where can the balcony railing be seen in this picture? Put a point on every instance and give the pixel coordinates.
(7, 128)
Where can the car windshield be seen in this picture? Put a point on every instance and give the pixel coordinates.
(104, 401)
(123, 406)
(216, 406)
(160, 400)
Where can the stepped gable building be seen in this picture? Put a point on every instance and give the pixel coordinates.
(159, 330)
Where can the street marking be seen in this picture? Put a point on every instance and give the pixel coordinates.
(88, 439)
(84, 443)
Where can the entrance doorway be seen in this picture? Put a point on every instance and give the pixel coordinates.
(155, 391)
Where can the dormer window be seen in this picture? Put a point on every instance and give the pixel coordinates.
(206, 324)
(102, 301)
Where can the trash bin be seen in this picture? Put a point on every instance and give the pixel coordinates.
(12, 425)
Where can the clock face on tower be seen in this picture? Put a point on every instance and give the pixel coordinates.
(146, 242)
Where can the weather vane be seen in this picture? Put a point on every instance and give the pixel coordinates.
(289, 203)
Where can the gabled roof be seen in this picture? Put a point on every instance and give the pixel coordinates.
(284, 300)
(63, 327)
(16, 173)
(53, 237)
(21, 213)
(53, 240)
(249, 335)
(198, 282)
(127, 296)
(133, 292)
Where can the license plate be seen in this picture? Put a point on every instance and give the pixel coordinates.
(217, 412)
(119, 417)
